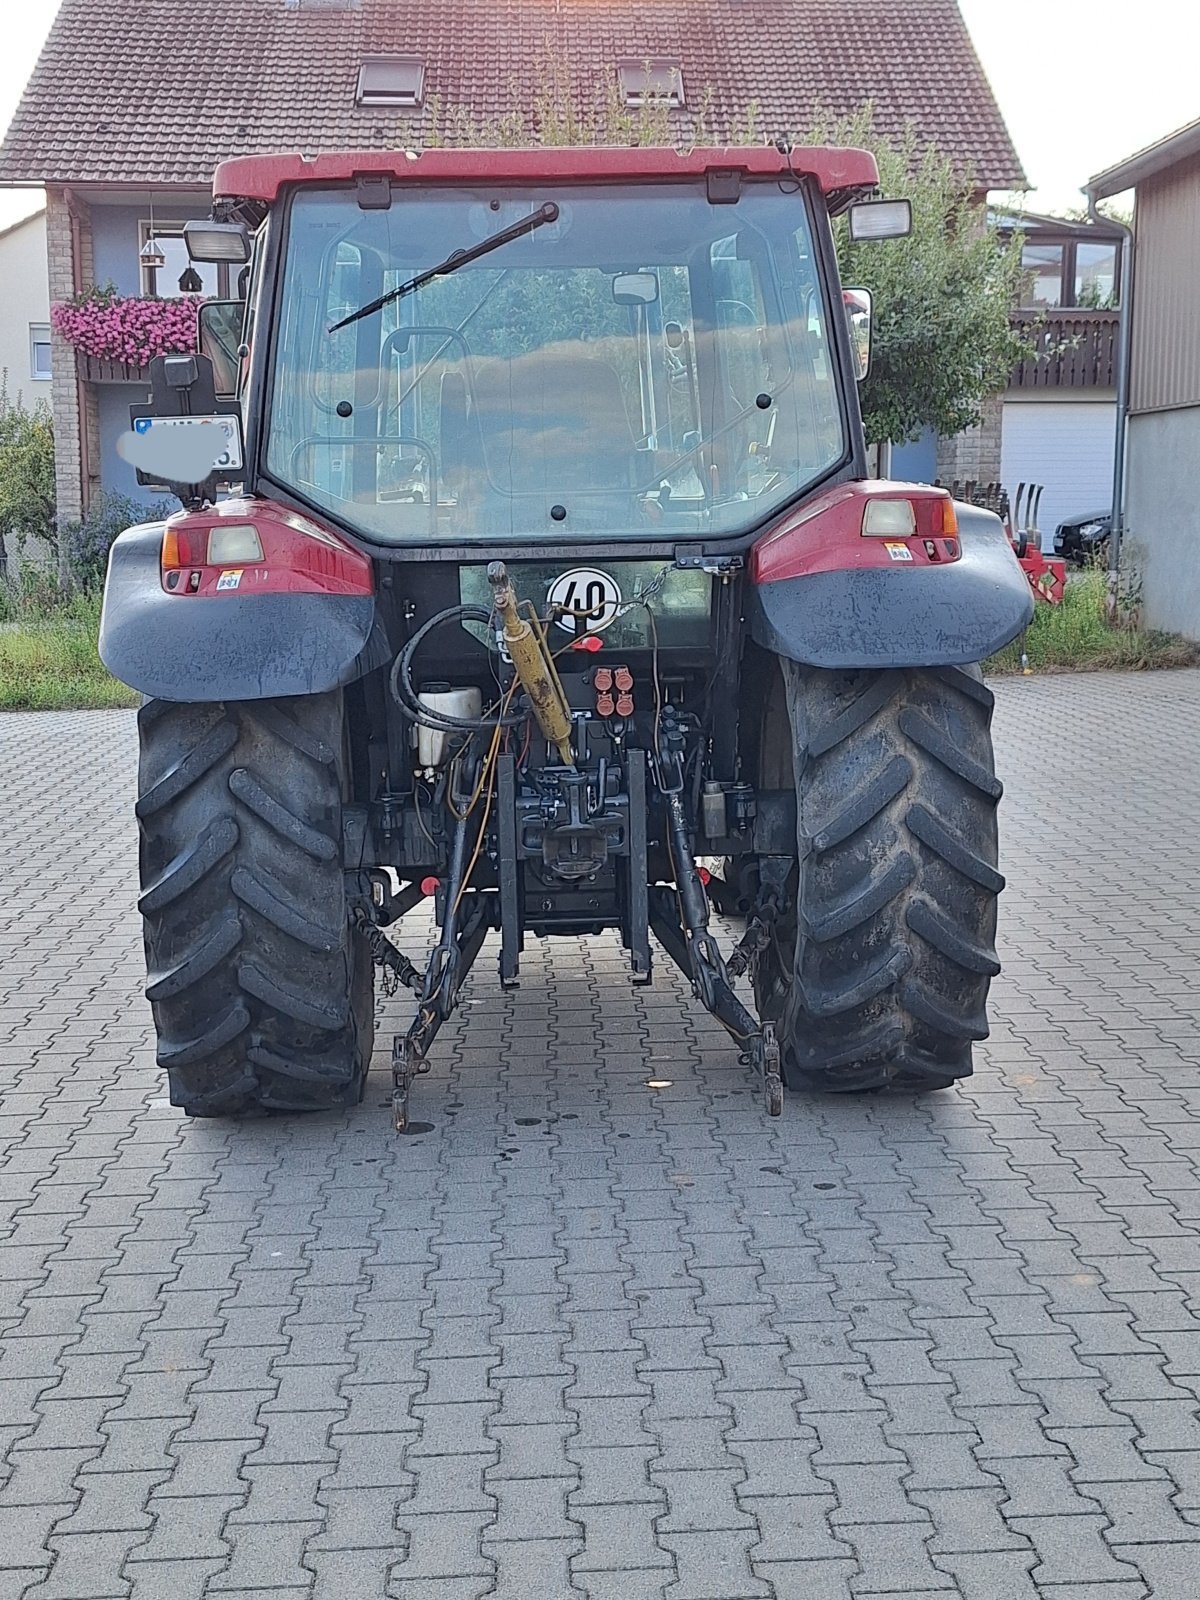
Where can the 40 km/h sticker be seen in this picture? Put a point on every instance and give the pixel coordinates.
(590, 599)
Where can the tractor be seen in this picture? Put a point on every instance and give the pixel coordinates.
(528, 563)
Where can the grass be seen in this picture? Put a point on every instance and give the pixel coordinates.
(48, 659)
(1076, 637)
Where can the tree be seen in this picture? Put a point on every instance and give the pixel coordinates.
(942, 338)
(27, 491)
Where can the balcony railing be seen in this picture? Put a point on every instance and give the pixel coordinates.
(1074, 348)
(93, 370)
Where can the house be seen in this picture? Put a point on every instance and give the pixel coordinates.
(1162, 508)
(1054, 425)
(25, 315)
(131, 107)
(1059, 413)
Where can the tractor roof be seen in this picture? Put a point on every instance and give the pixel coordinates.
(841, 173)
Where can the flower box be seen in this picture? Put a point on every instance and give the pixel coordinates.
(123, 333)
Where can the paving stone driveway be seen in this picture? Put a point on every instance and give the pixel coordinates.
(588, 1337)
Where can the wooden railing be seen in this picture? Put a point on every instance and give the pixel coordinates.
(1074, 348)
(93, 370)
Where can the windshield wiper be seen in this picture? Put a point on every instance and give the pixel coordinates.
(459, 258)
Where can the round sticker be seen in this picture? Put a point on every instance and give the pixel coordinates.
(590, 600)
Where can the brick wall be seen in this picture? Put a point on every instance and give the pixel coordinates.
(974, 456)
(76, 435)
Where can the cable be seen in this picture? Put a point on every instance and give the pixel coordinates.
(489, 767)
(420, 820)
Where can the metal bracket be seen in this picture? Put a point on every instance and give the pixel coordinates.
(724, 186)
(405, 1066)
(680, 921)
(688, 557)
(373, 191)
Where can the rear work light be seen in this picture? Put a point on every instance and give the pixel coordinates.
(880, 219)
(217, 241)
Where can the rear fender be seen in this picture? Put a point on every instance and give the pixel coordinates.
(823, 593)
(300, 621)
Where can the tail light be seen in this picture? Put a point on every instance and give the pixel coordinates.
(255, 546)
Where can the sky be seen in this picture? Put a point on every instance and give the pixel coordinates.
(1081, 83)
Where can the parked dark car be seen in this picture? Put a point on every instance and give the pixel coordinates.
(1083, 538)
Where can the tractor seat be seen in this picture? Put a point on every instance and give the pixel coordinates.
(553, 422)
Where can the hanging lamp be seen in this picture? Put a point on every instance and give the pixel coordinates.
(151, 256)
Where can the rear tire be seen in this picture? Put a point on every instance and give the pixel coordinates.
(262, 990)
(879, 971)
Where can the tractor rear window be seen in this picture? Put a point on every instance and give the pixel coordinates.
(641, 365)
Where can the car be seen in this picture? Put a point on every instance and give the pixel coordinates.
(1083, 538)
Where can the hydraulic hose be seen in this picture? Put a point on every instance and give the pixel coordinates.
(404, 691)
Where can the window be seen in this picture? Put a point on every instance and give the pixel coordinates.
(391, 81)
(648, 365)
(39, 350)
(1044, 265)
(1096, 274)
(181, 275)
(1074, 271)
(655, 81)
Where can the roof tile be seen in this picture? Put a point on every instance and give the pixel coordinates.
(144, 93)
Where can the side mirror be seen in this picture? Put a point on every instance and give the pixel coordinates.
(858, 316)
(880, 219)
(221, 323)
(635, 288)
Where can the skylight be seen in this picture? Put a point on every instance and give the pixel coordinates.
(658, 80)
(391, 81)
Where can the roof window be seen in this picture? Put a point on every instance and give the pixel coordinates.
(391, 81)
(659, 80)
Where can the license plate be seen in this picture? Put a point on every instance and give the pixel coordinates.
(230, 459)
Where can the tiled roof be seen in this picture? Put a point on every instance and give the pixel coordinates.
(162, 90)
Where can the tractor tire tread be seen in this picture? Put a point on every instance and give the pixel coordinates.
(246, 788)
(189, 770)
(895, 911)
(865, 804)
(191, 864)
(260, 983)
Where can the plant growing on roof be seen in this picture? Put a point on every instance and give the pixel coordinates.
(132, 329)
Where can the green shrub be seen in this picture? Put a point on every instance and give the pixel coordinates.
(27, 491)
(86, 544)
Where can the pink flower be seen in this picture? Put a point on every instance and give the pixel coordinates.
(129, 329)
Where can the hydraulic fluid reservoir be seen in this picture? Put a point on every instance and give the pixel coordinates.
(433, 746)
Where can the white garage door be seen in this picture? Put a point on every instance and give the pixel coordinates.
(1068, 447)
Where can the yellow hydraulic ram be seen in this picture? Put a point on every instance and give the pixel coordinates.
(530, 654)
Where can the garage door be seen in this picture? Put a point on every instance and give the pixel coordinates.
(1068, 447)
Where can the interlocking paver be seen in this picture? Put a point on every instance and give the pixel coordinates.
(585, 1338)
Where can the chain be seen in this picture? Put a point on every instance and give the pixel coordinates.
(395, 966)
(752, 943)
